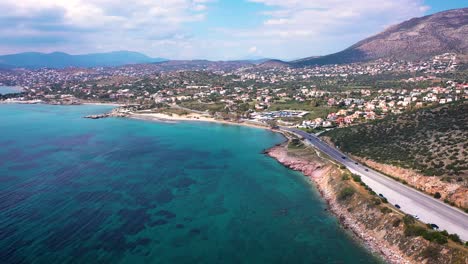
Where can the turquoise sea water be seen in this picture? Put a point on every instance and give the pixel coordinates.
(76, 190)
(9, 89)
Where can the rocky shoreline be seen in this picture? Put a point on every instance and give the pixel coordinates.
(116, 112)
(317, 172)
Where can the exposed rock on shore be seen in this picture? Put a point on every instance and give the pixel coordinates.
(382, 232)
(117, 112)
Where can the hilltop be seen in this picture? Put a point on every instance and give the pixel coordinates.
(415, 39)
(273, 64)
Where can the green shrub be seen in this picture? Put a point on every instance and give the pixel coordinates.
(295, 142)
(396, 223)
(455, 238)
(345, 177)
(385, 210)
(437, 195)
(376, 201)
(356, 178)
(413, 230)
(435, 236)
(346, 193)
(408, 220)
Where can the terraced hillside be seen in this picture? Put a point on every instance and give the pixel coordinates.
(433, 141)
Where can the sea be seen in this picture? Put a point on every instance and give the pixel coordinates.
(116, 190)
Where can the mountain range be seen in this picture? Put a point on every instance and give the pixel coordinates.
(64, 60)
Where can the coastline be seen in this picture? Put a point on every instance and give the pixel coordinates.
(45, 103)
(193, 117)
(370, 225)
(316, 173)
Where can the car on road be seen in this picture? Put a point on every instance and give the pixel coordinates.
(434, 226)
(356, 163)
(367, 169)
(343, 157)
(416, 216)
(397, 206)
(381, 195)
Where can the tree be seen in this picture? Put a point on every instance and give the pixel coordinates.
(437, 195)
(272, 124)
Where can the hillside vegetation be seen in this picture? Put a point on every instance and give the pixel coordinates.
(433, 141)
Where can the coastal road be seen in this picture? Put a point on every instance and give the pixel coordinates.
(411, 201)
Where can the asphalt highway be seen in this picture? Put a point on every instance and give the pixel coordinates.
(410, 201)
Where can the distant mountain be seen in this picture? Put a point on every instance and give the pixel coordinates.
(273, 64)
(63, 60)
(415, 39)
(258, 61)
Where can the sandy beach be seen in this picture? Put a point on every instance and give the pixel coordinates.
(162, 117)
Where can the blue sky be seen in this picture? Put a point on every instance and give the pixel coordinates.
(208, 29)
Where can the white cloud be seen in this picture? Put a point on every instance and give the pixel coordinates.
(337, 16)
(323, 26)
(280, 21)
(93, 23)
(289, 28)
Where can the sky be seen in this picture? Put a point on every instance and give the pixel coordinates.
(203, 29)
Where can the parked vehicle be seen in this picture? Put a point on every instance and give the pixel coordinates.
(397, 206)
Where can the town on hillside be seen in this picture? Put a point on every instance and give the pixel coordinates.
(312, 98)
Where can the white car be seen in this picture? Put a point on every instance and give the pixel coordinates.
(416, 217)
